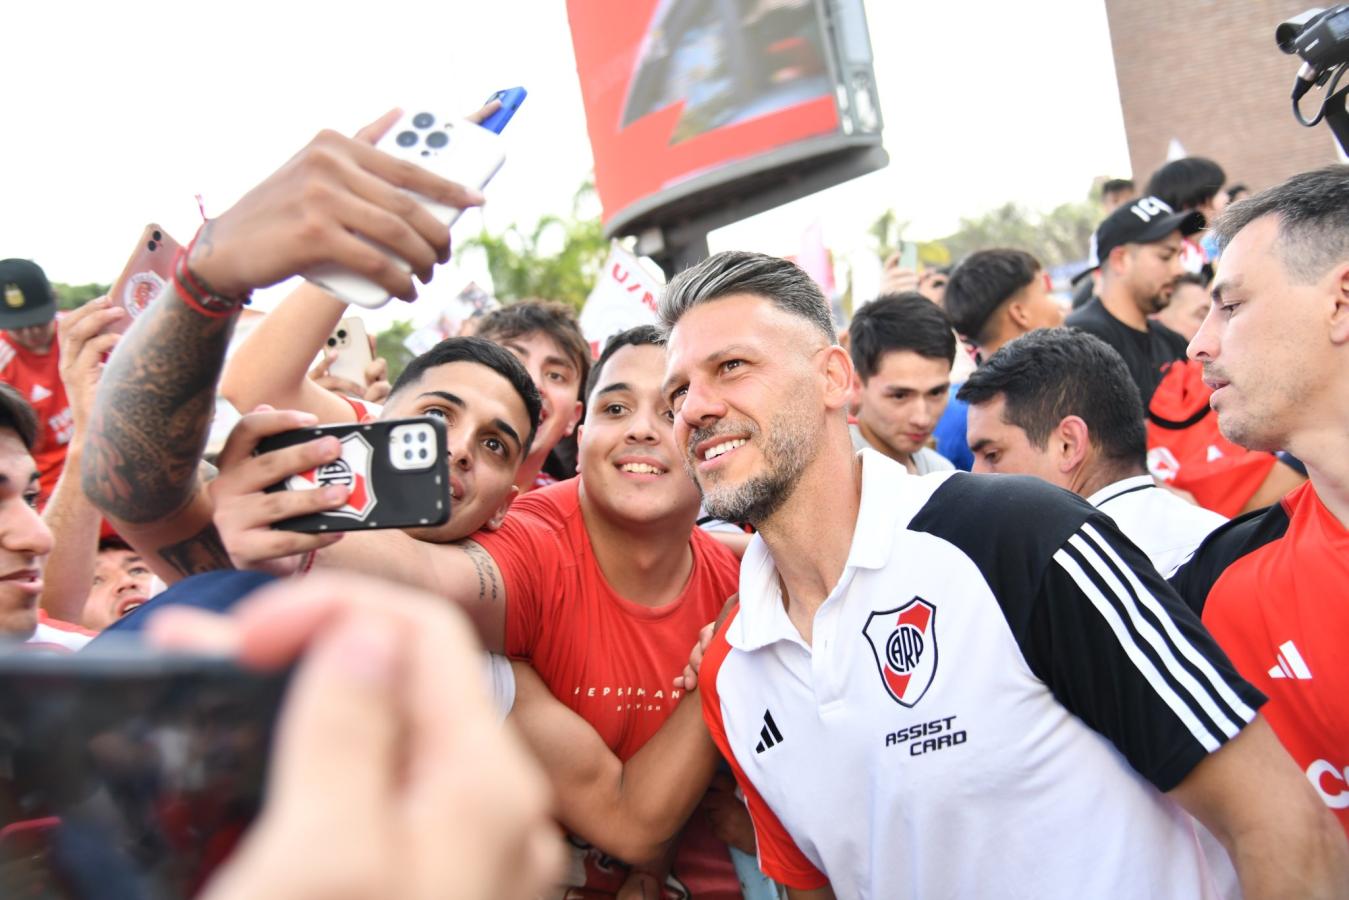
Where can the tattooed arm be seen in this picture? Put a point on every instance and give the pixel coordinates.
(157, 394)
(148, 431)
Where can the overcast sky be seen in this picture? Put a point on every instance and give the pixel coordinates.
(117, 114)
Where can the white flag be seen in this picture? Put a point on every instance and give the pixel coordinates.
(624, 297)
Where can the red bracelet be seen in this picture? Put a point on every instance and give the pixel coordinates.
(197, 293)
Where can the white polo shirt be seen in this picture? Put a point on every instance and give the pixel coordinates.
(994, 681)
(1164, 526)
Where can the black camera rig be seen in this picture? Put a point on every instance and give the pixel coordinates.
(1321, 38)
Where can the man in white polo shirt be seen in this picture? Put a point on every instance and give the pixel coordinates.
(952, 685)
(1060, 404)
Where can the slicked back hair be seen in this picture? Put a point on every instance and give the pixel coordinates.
(907, 321)
(484, 353)
(557, 320)
(1052, 373)
(777, 280)
(1313, 214)
(18, 416)
(640, 336)
(984, 281)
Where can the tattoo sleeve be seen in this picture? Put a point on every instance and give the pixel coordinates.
(203, 552)
(153, 411)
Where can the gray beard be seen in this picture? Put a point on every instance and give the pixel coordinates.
(786, 448)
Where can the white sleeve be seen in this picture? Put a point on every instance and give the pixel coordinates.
(501, 683)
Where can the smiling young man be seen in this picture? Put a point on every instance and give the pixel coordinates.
(1275, 351)
(25, 540)
(601, 582)
(921, 668)
(902, 347)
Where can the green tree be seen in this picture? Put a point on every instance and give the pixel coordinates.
(1059, 236)
(389, 344)
(558, 259)
(69, 296)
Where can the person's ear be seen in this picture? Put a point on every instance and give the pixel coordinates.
(499, 515)
(1339, 313)
(1019, 312)
(839, 378)
(1071, 442)
(1116, 261)
(575, 418)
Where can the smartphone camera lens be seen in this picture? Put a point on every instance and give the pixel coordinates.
(407, 454)
(332, 342)
(423, 120)
(437, 139)
(422, 453)
(341, 334)
(407, 138)
(407, 438)
(421, 436)
(151, 245)
(157, 236)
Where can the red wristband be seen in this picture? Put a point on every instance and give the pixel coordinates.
(199, 295)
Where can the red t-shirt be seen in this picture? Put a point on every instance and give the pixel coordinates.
(1186, 450)
(1273, 586)
(38, 377)
(610, 659)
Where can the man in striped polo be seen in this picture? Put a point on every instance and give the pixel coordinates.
(953, 685)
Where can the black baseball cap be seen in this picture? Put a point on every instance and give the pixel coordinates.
(1143, 221)
(26, 296)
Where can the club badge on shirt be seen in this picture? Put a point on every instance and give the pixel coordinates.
(904, 643)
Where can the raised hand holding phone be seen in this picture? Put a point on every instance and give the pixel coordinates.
(307, 214)
(457, 150)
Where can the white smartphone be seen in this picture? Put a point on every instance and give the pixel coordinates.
(455, 150)
(352, 346)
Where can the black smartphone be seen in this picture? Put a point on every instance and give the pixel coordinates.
(397, 471)
(127, 772)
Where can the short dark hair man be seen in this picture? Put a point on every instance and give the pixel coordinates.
(1191, 183)
(996, 295)
(1275, 348)
(546, 338)
(902, 348)
(855, 746)
(1060, 405)
(30, 359)
(1138, 249)
(993, 296)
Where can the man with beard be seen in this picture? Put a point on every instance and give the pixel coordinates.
(1275, 350)
(1138, 249)
(922, 668)
(601, 582)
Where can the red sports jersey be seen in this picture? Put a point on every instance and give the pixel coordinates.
(609, 658)
(1186, 450)
(38, 377)
(1273, 588)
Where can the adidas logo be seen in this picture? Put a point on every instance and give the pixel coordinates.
(40, 393)
(769, 734)
(1290, 664)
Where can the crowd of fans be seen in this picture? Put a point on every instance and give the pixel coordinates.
(1115, 677)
